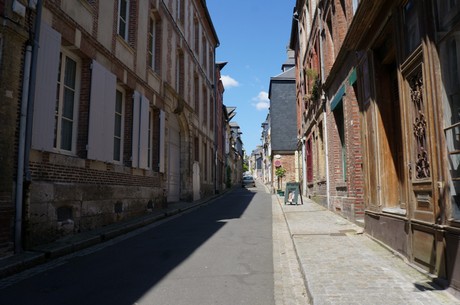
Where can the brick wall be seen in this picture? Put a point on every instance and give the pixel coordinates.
(346, 189)
(288, 163)
(11, 62)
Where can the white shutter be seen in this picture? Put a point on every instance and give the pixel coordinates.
(45, 88)
(144, 133)
(136, 128)
(101, 114)
(161, 164)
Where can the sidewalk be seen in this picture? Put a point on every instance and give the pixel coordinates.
(67, 245)
(341, 265)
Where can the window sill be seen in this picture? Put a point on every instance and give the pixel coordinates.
(395, 211)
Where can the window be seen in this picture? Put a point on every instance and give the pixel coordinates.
(205, 106)
(123, 15)
(197, 149)
(180, 73)
(211, 62)
(211, 113)
(205, 161)
(196, 26)
(339, 120)
(180, 11)
(152, 43)
(321, 152)
(196, 89)
(118, 128)
(149, 140)
(411, 27)
(453, 51)
(66, 103)
(204, 49)
(309, 157)
(450, 60)
(448, 14)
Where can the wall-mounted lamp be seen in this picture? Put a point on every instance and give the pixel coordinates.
(296, 16)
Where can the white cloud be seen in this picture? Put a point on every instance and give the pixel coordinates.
(229, 82)
(261, 101)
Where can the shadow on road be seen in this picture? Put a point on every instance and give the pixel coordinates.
(122, 273)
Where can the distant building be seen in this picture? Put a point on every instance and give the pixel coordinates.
(266, 152)
(283, 131)
(220, 130)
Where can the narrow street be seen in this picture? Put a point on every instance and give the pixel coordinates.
(220, 253)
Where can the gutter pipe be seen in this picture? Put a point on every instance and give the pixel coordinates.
(25, 124)
(21, 151)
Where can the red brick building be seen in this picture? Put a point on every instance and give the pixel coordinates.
(328, 110)
(385, 104)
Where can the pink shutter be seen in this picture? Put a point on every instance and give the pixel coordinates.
(45, 89)
(101, 114)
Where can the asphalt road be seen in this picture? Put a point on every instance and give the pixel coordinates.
(220, 253)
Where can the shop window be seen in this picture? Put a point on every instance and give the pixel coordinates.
(411, 27)
(339, 121)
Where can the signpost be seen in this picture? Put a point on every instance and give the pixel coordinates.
(292, 193)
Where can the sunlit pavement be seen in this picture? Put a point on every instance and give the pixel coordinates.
(342, 265)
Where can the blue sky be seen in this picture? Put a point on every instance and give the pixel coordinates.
(253, 36)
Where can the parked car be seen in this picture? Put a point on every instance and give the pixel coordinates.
(248, 181)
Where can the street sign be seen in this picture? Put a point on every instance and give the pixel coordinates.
(292, 193)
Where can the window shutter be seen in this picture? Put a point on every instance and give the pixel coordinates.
(136, 127)
(45, 88)
(101, 114)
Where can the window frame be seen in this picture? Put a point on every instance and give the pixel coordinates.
(180, 73)
(180, 11)
(152, 43)
(125, 19)
(339, 115)
(57, 142)
(120, 115)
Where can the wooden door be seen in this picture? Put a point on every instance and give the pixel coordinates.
(419, 150)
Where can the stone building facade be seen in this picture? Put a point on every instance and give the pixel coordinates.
(122, 113)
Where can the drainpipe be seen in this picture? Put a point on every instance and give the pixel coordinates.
(25, 126)
(304, 168)
(324, 101)
(21, 151)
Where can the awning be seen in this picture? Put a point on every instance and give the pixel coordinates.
(338, 97)
(352, 78)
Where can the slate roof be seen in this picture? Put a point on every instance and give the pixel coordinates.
(283, 112)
